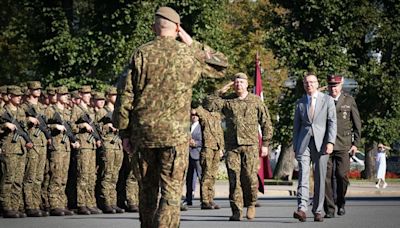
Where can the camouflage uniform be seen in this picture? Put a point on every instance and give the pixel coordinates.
(58, 160)
(111, 160)
(86, 157)
(131, 184)
(13, 157)
(154, 111)
(35, 159)
(213, 144)
(50, 91)
(242, 118)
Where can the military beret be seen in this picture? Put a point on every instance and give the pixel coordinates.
(51, 91)
(15, 90)
(62, 90)
(240, 75)
(334, 79)
(169, 14)
(99, 96)
(34, 85)
(3, 89)
(111, 91)
(85, 89)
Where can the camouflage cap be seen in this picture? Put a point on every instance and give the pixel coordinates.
(111, 91)
(75, 94)
(240, 75)
(15, 90)
(3, 89)
(169, 14)
(34, 85)
(51, 91)
(62, 90)
(85, 89)
(99, 96)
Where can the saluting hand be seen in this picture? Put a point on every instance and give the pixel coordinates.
(185, 37)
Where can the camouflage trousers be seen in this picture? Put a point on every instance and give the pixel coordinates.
(165, 168)
(132, 185)
(112, 161)
(13, 167)
(86, 177)
(209, 160)
(34, 174)
(45, 183)
(58, 165)
(242, 165)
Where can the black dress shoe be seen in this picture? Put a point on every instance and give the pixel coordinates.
(329, 215)
(341, 211)
(300, 215)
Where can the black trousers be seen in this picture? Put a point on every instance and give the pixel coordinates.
(337, 171)
(193, 165)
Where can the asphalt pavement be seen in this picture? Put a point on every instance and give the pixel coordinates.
(366, 207)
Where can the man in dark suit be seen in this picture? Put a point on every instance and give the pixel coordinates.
(347, 140)
(195, 143)
(314, 134)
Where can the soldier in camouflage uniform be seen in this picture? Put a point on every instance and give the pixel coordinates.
(86, 156)
(13, 154)
(59, 158)
(111, 159)
(3, 96)
(243, 113)
(37, 156)
(154, 114)
(50, 99)
(213, 146)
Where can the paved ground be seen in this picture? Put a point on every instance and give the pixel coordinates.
(276, 212)
(366, 207)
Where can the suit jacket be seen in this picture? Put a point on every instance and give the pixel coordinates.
(348, 123)
(198, 138)
(322, 126)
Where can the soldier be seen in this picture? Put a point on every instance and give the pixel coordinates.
(212, 151)
(347, 140)
(37, 156)
(154, 113)
(3, 96)
(14, 142)
(59, 117)
(111, 158)
(243, 113)
(82, 114)
(75, 98)
(50, 98)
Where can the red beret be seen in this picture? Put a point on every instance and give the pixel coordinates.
(334, 79)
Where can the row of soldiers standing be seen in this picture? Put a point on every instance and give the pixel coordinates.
(50, 142)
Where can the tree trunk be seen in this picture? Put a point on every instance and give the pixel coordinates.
(284, 167)
(369, 171)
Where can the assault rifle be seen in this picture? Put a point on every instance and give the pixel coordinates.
(106, 120)
(42, 127)
(19, 131)
(95, 131)
(68, 130)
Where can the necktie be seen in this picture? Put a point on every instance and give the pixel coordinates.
(311, 108)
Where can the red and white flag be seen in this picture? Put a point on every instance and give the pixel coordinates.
(265, 170)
